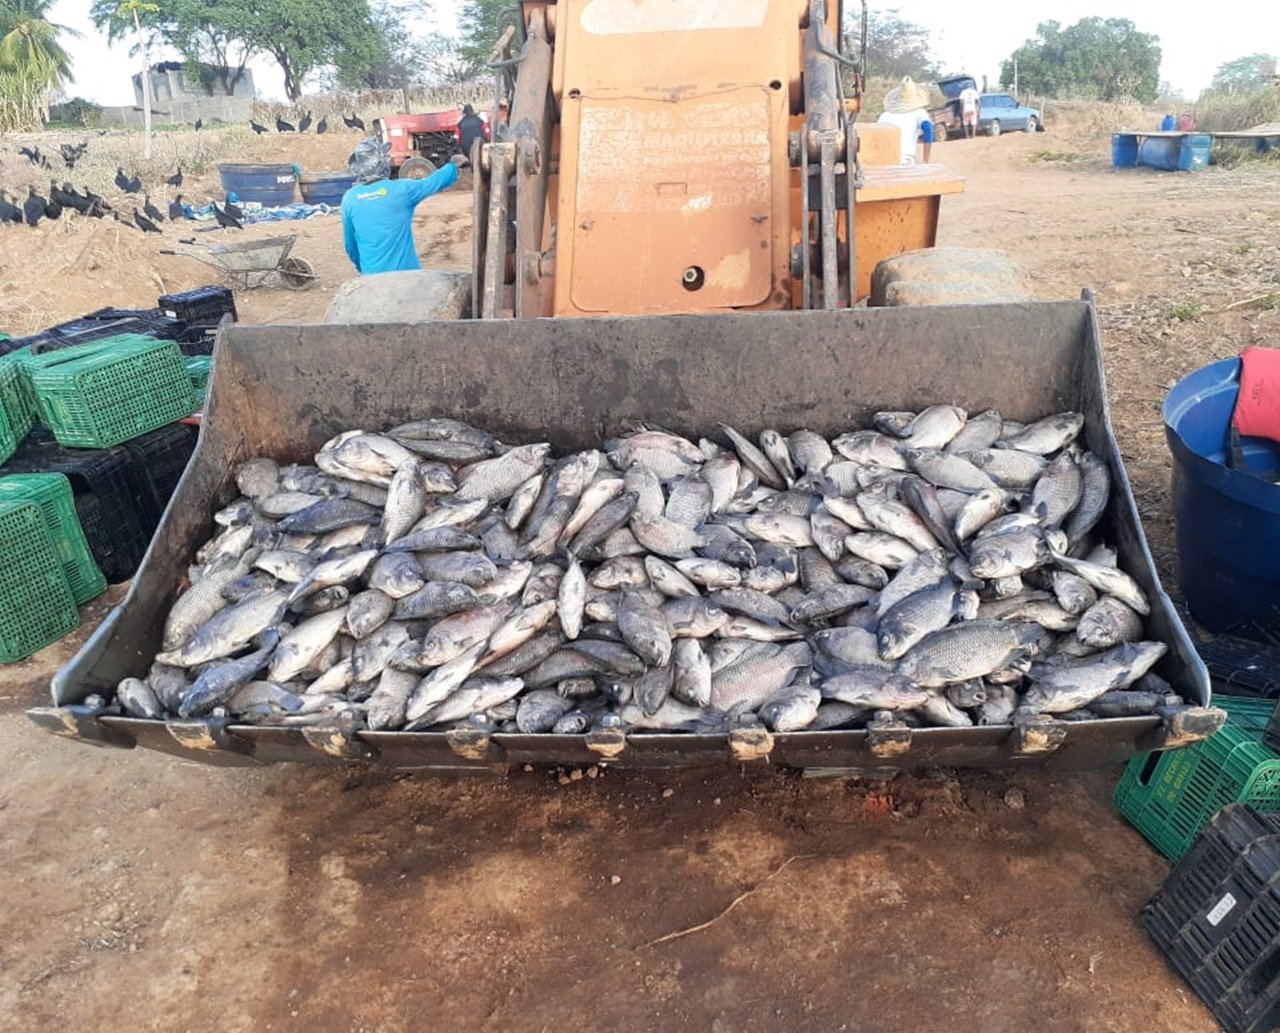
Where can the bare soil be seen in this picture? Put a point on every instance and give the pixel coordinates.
(145, 892)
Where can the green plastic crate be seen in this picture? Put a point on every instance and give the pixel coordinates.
(1170, 795)
(198, 368)
(15, 399)
(52, 493)
(125, 387)
(8, 439)
(36, 606)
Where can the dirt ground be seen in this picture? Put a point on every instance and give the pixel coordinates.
(145, 892)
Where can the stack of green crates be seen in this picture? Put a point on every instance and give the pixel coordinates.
(1170, 795)
(111, 391)
(52, 493)
(15, 399)
(36, 604)
(198, 370)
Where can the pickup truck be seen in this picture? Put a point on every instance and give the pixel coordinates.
(997, 112)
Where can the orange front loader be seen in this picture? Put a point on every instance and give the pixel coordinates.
(687, 156)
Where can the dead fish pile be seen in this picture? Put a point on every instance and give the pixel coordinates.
(938, 569)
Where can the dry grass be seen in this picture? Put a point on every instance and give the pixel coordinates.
(1227, 112)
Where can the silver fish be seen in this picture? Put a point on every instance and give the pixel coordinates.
(791, 710)
(691, 667)
(1056, 690)
(873, 687)
(1010, 469)
(869, 448)
(219, 680)
(571, 599)
(497, 479)
(1057, 492)
(667, 579)
(1046, 436)
(138, 699)
(385, 709)
(1095, 493)
(754, 459)
(229, 630)
(688, 502)
(929, 610)
(1107, 623)
(437, 599)
(693, 617)
(759, 674)
(935, 426)
(948, 470)
(645, 629)
(664, 537)
(884, 550)
(982, 508)
(406, 501)
(442, 682)
(257, 478)
(779, 455)
(1074, 593)
(981, 431)
(964, 651)
(1107, 581)
(300, 647)
(925, 571)
(539, 711)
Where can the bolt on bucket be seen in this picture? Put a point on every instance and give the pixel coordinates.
(1227, 511)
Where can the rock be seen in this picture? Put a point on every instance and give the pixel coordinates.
(1015, 799)
(614, 880)
(668, 793)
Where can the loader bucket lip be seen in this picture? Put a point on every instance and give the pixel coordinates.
(283, 390)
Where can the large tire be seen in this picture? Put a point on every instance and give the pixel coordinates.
(993, 127)
(940, 132)
(416, 168)
(949, 276)
(1032, 124)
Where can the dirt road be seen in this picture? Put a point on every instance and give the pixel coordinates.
(143, 892)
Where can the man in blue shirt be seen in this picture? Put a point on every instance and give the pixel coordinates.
(377, 212)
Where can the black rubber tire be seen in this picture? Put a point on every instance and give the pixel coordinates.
(940, 132)
(1033, 124)
(297, 274)
(993, 127)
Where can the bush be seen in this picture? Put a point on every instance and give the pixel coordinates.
(1228, 111)
(77, 112)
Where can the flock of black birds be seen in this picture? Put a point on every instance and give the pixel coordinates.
(304, 123)
(61, 198)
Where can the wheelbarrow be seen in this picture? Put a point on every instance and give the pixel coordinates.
(254, 263)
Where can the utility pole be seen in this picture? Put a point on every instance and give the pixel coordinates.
(133, 7)
(1015, 75)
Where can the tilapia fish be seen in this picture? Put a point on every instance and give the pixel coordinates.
(934, 569)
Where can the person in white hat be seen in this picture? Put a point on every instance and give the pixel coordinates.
(904, 107)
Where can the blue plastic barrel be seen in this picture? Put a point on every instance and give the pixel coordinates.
(1175, 153)
(325, 187)
(271, 185)
(1228, 520)
(1124, 150)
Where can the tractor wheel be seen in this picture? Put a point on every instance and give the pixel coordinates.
(949, 276)
(417, 168)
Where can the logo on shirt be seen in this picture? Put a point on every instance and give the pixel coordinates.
(369, 195)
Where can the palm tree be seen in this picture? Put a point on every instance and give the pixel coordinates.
(29, 42)
(32, 61)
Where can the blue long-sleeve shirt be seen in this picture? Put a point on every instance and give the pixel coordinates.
(377, 220)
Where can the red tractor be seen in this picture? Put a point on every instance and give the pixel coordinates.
(420, 144)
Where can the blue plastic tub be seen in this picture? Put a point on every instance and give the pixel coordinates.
(1124, 150)
(1228, 520)
(271, 185)
(1183, 153)
(325, 187)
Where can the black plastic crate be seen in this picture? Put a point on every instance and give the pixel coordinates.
(1217, 918)
(89, 328)
(122, 516)
(1239, 667)
(203, 305)
(198, 340)
(163, 455)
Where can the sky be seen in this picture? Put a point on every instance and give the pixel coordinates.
(972, 39)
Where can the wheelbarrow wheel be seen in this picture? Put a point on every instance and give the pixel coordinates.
(297, 273)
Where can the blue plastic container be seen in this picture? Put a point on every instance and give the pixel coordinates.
(325, 187)
(271, 185)
(1124, 150)
(1228, 520)
(1175, 153)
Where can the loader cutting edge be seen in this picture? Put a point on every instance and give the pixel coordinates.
(570, 381)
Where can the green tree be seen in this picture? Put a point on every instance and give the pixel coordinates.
(481, 23)
(303, 36)
(1102, 58)
(29, 44)
(897, 47)
(1241, 74)
(33, 62)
